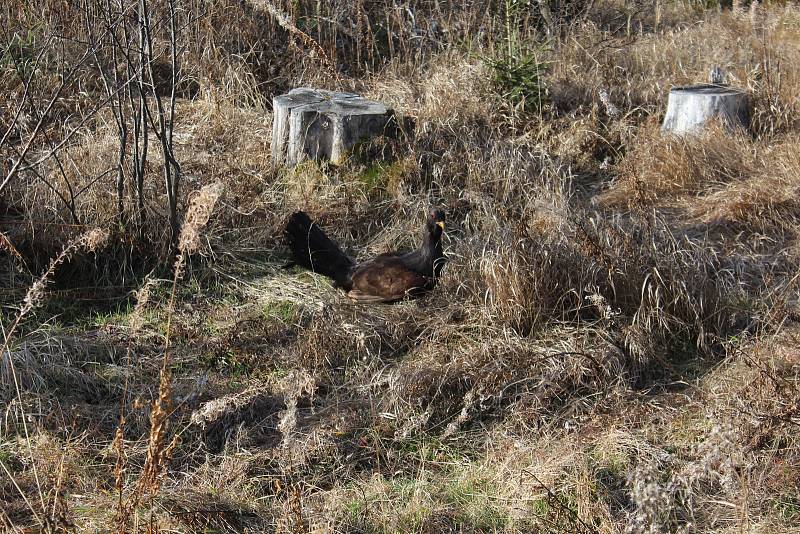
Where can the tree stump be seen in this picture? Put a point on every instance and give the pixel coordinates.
(690, 107)
(324, 125)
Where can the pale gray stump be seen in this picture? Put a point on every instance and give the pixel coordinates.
(690, 107)
(324, 125)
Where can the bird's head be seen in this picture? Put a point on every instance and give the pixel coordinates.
(435, 223)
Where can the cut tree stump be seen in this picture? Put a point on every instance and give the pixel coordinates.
(690, 107)
(324, 125)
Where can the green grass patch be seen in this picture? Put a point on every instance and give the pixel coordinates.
(787, 507)
(614, 462)
(116, 317)
(540, 508)
(407, 504)
(473, 503)
(20, 52)
(232, 363)
(284, 310)
(8, 457)
(373, 176)
(429, 449)
(381, 176)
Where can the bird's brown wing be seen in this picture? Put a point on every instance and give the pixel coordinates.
(385, 279)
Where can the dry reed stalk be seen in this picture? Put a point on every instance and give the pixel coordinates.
(58, 515)
(158, 453)
(90, 242)
(123, 508)
(200, 209)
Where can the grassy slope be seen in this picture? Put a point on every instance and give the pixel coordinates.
(611, 349)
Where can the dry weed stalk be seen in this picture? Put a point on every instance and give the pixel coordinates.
(296, 510)
(158, 452)
(120, 470)
(142, 299)
(299, 383)
(667, 503)
(200, 209)
(90, 241)
(159, 449)
(5, 244)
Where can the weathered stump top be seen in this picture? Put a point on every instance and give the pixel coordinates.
(707, 90)
(324, 125)
(324, 101)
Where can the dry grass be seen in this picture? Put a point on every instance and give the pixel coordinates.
(611, 348)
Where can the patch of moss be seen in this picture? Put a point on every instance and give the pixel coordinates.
(383, 176)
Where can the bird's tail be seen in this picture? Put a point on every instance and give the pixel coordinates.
(314, 250)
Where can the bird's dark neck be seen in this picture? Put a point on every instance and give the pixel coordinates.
(431, 254)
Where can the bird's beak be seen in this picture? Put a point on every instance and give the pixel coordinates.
(440, 224)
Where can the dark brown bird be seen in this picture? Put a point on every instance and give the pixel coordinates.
(385, 278)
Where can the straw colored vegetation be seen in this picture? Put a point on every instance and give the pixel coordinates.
(612, 348)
